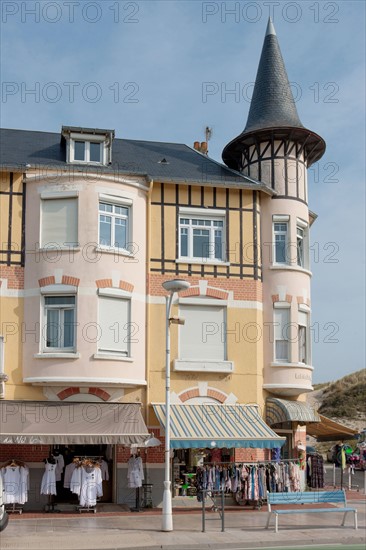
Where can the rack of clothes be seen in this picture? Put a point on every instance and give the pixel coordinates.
(15, 476)
(315, 470)
(249, 482)
(86, 481)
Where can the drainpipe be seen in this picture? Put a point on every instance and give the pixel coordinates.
(3, 377)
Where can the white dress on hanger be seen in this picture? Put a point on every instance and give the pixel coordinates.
(11, 482)
(75, 482)
(135, 472)
(91, 486)
(48, 485)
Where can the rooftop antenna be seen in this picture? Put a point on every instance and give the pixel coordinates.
(208, 133)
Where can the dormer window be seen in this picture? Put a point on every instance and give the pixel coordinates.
(88, 151)
(88, 145)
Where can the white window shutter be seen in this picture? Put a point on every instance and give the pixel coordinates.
(114, 325)
(202, 337)
(60, 222)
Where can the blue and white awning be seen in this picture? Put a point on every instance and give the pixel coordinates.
(217, 425)
(279, 411)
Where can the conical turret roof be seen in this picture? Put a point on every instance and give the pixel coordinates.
(272, 110)
(272, 103)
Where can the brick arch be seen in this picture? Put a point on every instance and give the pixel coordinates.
(188, 394)
(211, 392)
(98, 392)
(211, 292)
(108, 283)
(66, 280)
(191, 291)
(302, 300)
(216, 394)
(216, 293)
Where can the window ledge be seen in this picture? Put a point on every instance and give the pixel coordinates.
(291, 365)
(57, 355)
(56, 249)
(203, 366)
(111, 250)
(288, 267)
(86, 162)
(111, 357)
(201, 262)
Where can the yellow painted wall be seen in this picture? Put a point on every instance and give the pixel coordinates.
(11, 293)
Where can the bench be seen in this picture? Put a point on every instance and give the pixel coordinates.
(309, 497)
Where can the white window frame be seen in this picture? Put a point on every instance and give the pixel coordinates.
(115, 294)
(116, 202)
(61, 308)
(284, 220)
(208, 216)
(87, 139)
(284, 332)
(302, 226)
(304, 310)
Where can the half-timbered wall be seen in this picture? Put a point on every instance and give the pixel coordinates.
(242, 212)
(280, 164)
(12, 219)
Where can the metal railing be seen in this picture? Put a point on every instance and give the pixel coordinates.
(217, 501)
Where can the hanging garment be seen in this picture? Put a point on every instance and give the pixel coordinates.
(11, 484)
(104, 470)
(75, 481)
(69, 470)
(60, 463)
(135, 472)
(91, 486)
(48, 484)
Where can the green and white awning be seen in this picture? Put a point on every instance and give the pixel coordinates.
(279, 411)
(217, 425)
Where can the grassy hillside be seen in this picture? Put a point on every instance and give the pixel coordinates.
(346, 397)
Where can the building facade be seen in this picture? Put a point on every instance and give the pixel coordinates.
(102, 224)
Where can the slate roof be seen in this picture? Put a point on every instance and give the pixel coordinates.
(272, 102)
(133, 157)
(273, 112)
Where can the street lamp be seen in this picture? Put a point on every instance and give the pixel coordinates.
(173, 286)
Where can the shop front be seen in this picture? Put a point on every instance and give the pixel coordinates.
(65, 454)
(216, 438)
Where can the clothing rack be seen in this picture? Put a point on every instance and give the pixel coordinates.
(246, 463)
(14, 508)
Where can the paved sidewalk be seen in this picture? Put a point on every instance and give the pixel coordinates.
(243, 529)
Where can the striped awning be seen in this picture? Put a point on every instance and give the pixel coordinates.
(71, 423)
(281, 410)
(217, 425)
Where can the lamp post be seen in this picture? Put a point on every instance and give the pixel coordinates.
(173, 286)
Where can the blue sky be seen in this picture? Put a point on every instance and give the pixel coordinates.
(163, 70)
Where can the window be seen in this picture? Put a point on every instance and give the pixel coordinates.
(87, 151)
(201, 238)
(302, 244)
(281, 328)
(303, 337)
(203, 336)
(88, 145)
(115, 327)
(113, 225)
(59, 222)
(59, 330)
(280, 230)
